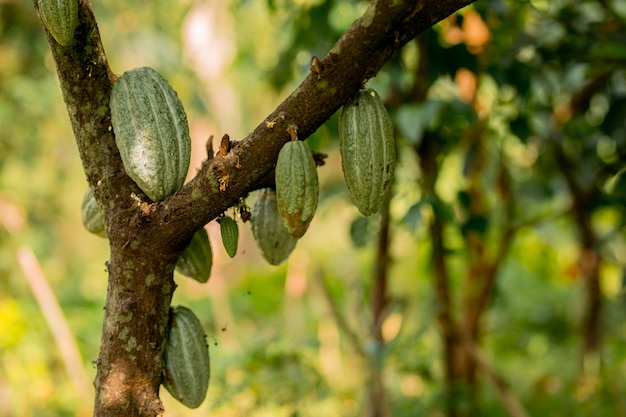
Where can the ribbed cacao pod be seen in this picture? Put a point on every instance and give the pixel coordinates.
(92, 214)
(60, 18)
(268, 229)
(297, 187)
(197, 260)
(230, 235)
(151, 132)
(368, 152)
(186, 358)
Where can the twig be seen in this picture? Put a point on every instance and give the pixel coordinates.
(339, 317)
(510, 402)
(61, 332)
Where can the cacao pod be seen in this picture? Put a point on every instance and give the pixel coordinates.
(297, 187)
(186, 358)
(60, 17)
(230, 235)
(368, 152)
(268, 229)
(151, 132)
(92, 214)
(197, 260)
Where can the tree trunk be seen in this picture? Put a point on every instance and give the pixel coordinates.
(376, 391)
(452, 348)
(589, 265)
(135, 325)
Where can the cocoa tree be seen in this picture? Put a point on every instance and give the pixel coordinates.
(147, 237)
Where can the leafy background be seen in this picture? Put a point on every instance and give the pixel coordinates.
(520, 106)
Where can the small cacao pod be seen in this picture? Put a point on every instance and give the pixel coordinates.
(197, 260)
(368, 152)
(230, 235)
(297, 187)
(60, 17)
(151, 132)
(268, 229)
(186, 358)
(92, 214)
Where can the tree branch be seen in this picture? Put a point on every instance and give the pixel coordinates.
(510, 402)
(86, 80)
(357, 56)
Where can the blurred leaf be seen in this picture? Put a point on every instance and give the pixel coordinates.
(475, 224)
(413, 216)
(616, 186)
(615, 118)
(442, 211)
(414, 119)
(307, 24)
(520, 127)
(465, 199)
(362, 231)
(615, 51)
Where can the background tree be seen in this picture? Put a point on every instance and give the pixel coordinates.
(504, 129)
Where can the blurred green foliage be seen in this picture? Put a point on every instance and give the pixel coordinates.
(276, 348)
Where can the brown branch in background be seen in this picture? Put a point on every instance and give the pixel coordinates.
(377, 393)
(510, 402)
(480, 273)
(484, 266)
(445, 316)
(580, 101)
(505, 238)
(353, 339)
(427, 152)
(381, 275)
(52, 313)
(589, 259)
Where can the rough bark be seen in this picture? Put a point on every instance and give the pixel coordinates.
(147, 237)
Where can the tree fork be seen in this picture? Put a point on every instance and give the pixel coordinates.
(146, 238)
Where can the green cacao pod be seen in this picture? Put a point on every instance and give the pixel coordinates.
(230, 235)
(92, 214)
(197, 260)
(368, 152)
(297, 187)
(151, 132)
(60, 18)
(268, 229)
(186, 358)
